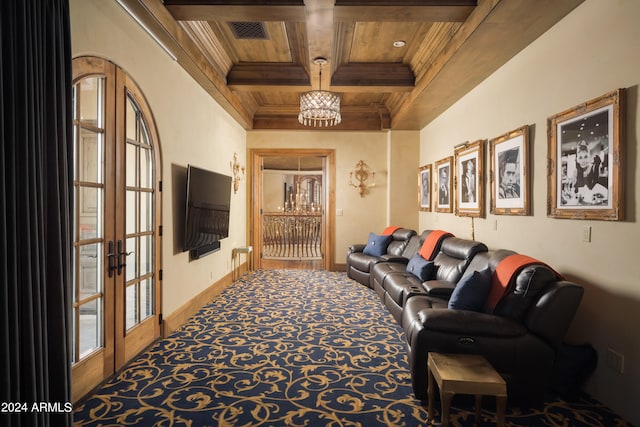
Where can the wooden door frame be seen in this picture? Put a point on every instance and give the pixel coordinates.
(255, 201)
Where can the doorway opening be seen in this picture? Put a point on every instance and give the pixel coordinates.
(292, 202)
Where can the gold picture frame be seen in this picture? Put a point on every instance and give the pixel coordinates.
(585, 150)
(424, 188)
(509, 173)
(443, 185)
(469, 183)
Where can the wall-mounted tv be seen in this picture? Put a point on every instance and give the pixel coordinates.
(208, 204)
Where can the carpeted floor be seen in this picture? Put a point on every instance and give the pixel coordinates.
(291, 348)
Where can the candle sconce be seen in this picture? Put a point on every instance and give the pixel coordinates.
(238, 172)
(362, 173)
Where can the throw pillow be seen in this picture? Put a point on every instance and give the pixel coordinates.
(377, 245)
(421, 268)
(471, 291)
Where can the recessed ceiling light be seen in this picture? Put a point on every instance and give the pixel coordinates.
(399, 43)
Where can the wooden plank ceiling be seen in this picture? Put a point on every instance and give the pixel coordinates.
(256, 57)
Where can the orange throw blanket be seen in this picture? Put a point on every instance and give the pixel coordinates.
(389, 230)
(430, 245)
(505, 273)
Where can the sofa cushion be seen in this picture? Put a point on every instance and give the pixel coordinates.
(471, 292)
(420, 267)
(376, 245)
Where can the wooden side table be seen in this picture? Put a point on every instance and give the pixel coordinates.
(464, 374)
(235, 260)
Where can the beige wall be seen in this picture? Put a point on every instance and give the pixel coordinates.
(193, 129)
(592, 51)
(360, 215)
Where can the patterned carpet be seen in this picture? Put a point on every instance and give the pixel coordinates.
(291, 348)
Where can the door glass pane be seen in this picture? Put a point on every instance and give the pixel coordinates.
(90, 156)
(90, 326)
(131, 120)
(131, 259)
(146, 210)
(91, 99)
(146, 298)
(90, 270)
(131, 306)
(146, 179)
(132, 165)
(132, 212)
(90, 217)
(145, 255)
(144, 134)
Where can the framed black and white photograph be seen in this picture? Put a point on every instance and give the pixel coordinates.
(443, 188)
(585, 179)
(469, 189)
(424, 188)
(509, 173)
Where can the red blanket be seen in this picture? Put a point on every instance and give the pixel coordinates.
(430, 246)
(506, 272)
(389, 230)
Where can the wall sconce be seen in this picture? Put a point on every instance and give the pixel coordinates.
(362, 173)
(238, 172)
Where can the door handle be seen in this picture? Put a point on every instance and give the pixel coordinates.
(122, 256)
(111, 255)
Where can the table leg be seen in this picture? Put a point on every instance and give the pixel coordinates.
(446, 398)
(501, 405)
(478, 407)
(430, 394)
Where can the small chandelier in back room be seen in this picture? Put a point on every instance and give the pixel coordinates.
(319, 107)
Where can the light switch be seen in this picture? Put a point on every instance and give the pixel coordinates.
(586, 233)
(339, 212)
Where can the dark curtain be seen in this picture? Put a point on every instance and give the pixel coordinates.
(35, 207)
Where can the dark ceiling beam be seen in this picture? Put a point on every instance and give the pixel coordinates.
(371, 11)
(373, 77)
(192, 10)
(281, 77)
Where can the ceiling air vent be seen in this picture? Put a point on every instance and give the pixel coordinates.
(249, 30)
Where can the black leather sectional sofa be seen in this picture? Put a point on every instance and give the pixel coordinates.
(519, 333)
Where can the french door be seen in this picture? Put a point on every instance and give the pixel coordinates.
(116, 295)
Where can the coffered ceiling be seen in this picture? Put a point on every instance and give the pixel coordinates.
(256, 57)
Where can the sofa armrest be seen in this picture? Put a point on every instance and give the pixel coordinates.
(394, 258)
(439, 288)
(358, 247)
(470, 323)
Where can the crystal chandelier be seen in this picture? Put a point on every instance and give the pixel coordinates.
(319, 107)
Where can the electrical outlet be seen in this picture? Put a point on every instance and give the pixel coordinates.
(615, 360)
(586, 233)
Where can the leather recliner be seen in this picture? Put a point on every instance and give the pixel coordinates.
(519, 338)
(359, 264)
(450, 263)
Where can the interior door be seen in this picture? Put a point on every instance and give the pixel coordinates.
(116, 298)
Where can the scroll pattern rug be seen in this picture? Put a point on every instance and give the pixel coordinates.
(290, 348)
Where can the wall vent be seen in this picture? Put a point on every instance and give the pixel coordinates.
(249, 30)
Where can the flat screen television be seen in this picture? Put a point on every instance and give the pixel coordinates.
(208, 204)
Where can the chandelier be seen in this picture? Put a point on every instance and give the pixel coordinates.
(319, 107)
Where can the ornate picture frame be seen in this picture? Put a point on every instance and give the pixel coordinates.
(585, 170)
(469, 184)
(443, 185)
(424, 188)
(509, 173)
